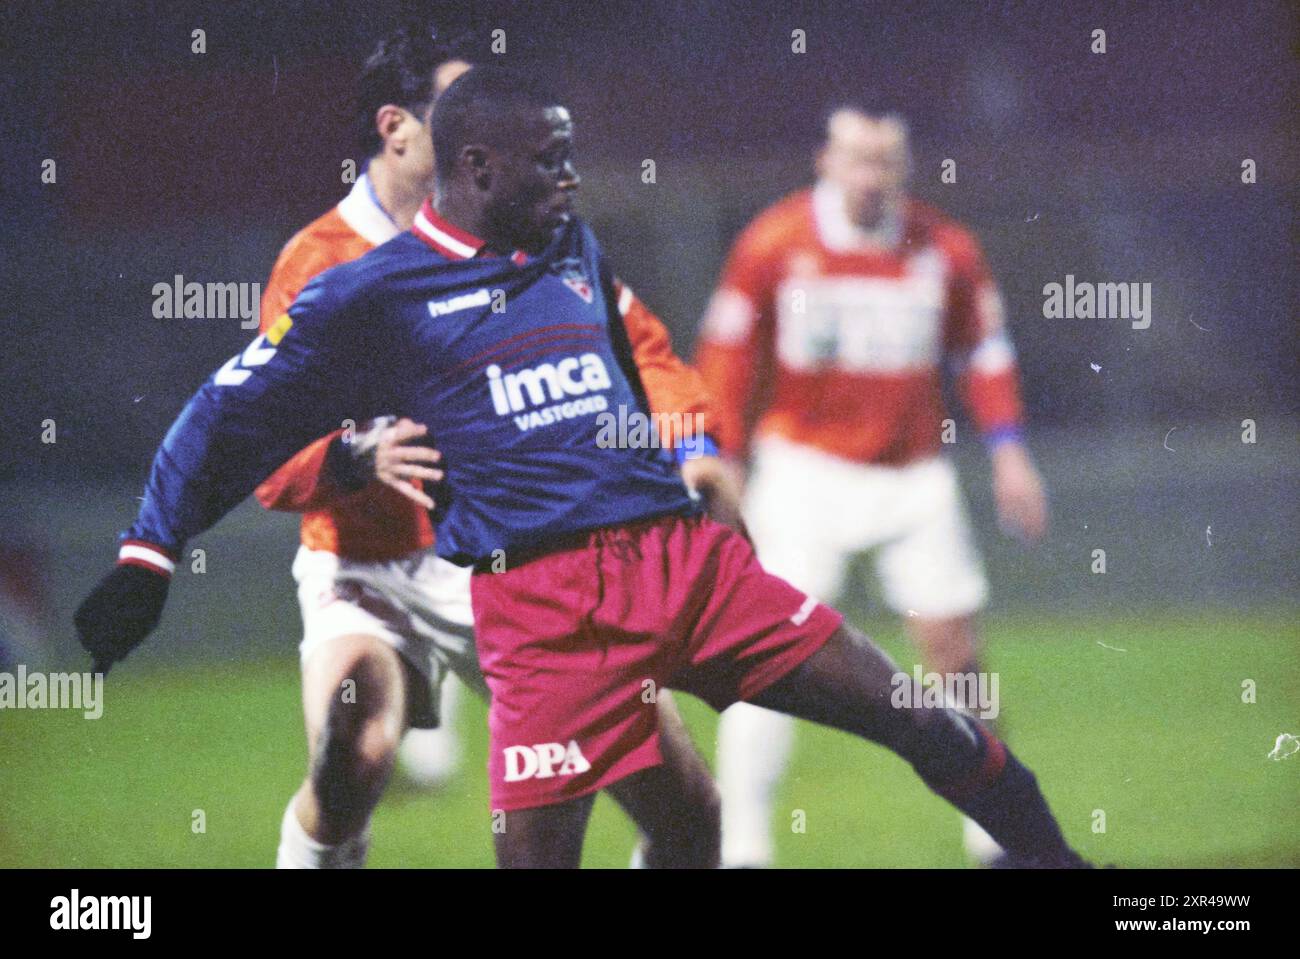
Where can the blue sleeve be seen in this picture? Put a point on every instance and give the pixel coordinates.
(283, 391)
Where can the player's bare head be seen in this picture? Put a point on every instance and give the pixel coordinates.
(402, 77)
(867, 156)
(504, 145)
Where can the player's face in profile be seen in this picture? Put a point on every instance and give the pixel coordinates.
(867, 159)
(537, 178)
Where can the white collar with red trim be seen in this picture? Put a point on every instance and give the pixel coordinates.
(450, 240)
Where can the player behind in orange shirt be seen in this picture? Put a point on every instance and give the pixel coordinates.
(384, 618)
(824, 345)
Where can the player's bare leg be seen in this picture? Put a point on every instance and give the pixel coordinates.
(948, 645)
(848, 685)
(355, 692)
(754, 747)
(675, 805)
(545, 837)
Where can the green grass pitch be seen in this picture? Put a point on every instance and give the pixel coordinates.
(1156, 738)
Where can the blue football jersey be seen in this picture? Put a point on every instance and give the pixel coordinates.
(513, 362)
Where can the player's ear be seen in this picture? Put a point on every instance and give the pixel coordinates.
(388, 123)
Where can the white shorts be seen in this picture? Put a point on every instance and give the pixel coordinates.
(810, 512)
(419, 605)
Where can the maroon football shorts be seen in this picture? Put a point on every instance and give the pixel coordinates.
(576, 645)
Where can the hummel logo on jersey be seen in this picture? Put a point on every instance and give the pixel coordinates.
(539, 761)
(240, 368)
(457, 303)
(571, 376)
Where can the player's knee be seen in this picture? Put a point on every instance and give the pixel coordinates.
(359, 744)
(355, 753)
(356, 669)
(375, 750)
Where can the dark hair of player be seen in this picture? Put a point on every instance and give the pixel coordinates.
(400, 71)
(483, 106)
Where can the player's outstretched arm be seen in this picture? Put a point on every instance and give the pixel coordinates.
(285, 388)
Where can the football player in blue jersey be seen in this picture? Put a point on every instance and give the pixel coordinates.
(598, 579)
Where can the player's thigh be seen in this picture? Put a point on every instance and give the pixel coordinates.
(358, 677)
(410, 604)
(848, 684)
(748, 627)
(345, 634)
(932, 570)
(675, 741)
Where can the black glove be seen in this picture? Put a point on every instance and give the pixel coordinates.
(120, 612)
(350, 461)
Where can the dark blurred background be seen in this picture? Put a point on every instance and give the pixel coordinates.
(1123, 167)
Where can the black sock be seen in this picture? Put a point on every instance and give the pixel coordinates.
(987, 783)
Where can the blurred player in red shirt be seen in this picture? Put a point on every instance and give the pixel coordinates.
(380, 610)
(824, 345)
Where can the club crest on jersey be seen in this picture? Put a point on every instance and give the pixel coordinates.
(570, 271)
